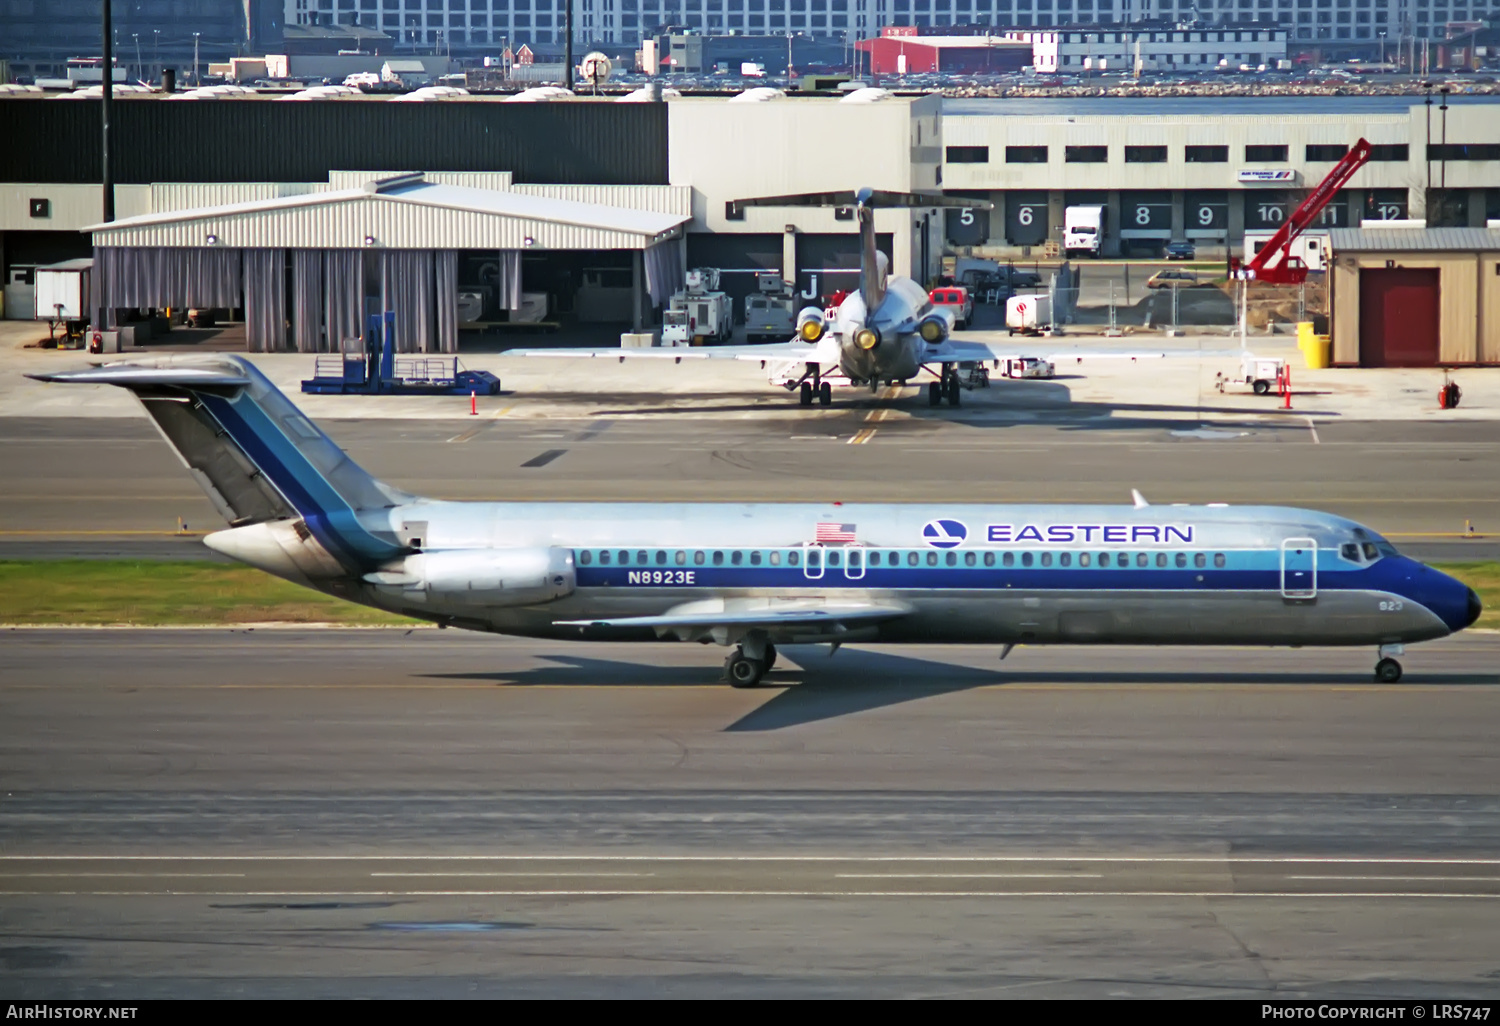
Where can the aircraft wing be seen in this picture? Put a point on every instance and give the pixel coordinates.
(954, 351)
(791, 350)
(717, 613)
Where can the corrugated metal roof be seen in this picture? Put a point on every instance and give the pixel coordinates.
(417, 215)
(1407, 240)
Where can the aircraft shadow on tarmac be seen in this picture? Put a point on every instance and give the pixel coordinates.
(814, 686)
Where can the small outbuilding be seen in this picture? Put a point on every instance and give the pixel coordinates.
(1415, 296)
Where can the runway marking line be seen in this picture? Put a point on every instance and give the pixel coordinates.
(976, 876)
(1454, 879)
(534, 872)
(1373, 860)
(117, 876)
(1300, 895)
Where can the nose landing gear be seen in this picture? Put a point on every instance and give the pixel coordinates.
(1387, 670)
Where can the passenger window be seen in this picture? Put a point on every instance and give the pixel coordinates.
(792, 558)
(989, 559)
(755, 558)
(912, 559)
(1046, 559)
(1009, 559)
(698, 558)
(1066, 559)
(718, 559)
(969, 559)
(833, 558)
(1141, 559)
(932, 559)
(1025, 558)
(681, 558)
(585, 557)
(951, 559)
(1219, 560)
(1200, 560)
(1161, 559)
(736, 557)
(874, 558)
(1181, 559)
(642, 557)
(1083, 559)
(814, 558)
(604, 557)
(1104, 559)
(661, 557)
(775, 558)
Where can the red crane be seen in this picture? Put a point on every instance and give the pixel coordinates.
(1290, 270)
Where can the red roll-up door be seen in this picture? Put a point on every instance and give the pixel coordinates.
(1398, 317)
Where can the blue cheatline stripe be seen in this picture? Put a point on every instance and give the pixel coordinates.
(1256, 570)
(330, 518)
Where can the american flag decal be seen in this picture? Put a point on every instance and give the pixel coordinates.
(835, 533)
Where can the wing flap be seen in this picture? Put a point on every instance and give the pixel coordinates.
(769, 617)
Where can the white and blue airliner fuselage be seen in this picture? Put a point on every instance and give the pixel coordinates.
(751, 577)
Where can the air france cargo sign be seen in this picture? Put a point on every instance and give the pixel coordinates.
(947, 534)
(1267, 176)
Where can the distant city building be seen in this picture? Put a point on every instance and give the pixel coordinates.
(477, 25)
(1160, 46)
(40, 37)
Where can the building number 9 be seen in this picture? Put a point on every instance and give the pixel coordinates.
(1205, 216)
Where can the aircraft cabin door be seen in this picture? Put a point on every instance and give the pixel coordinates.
(854, 563)
(1299, 568)
(812, 562)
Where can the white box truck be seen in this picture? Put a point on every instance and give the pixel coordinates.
(1083, 230)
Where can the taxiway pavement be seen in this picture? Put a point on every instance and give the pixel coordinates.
(383, 813)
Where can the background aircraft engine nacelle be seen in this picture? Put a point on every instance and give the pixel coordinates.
(935, 327)
(489, 577)
(810, 324)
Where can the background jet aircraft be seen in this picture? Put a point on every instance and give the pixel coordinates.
(886, 331)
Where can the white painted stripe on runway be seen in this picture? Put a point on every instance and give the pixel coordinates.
(1379, 860)
(969, 876)
(117, 876)
(535, 872)
(1444, 879)
(752, 894)
(1314, 429)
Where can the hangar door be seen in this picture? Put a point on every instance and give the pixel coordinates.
(737, 256)
(1398, 317)
(828, 263)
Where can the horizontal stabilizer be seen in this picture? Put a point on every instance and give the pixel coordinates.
(129, 375)
(768, 617)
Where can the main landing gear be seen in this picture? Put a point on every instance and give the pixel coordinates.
(1388, 671)
(816, 387)
(749, 662)
(947, 386)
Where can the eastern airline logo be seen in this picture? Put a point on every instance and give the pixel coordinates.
(945, 534)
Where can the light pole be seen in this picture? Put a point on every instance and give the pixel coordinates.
(138, 62)
(195, 59)
(155, 51)
(1382, 46)
(106, 105)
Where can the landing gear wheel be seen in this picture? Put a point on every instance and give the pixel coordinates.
(825, 394)
(934, 394)
(741, 671)
(770, 659)
(1387, 671)
(955, 391)
(806, 393)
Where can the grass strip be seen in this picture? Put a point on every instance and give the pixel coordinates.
(111, 592)
(158, 594)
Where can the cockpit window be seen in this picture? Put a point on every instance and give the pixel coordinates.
(1370, 551)
(1350, 551)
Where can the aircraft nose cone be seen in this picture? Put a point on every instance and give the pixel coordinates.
(1475, 608)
